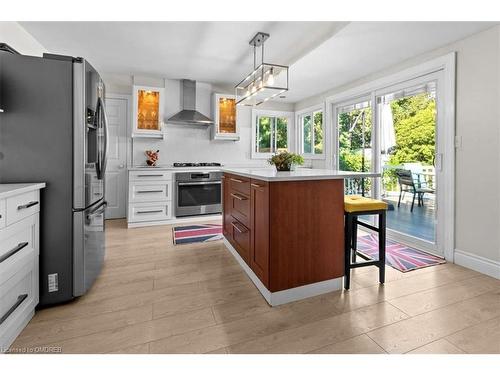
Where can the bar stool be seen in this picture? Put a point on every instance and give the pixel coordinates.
(355, 206)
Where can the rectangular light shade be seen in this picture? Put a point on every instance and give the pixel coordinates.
(266, 82)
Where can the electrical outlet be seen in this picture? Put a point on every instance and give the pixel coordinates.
(53, 282)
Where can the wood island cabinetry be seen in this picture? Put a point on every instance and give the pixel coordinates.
(289, 233)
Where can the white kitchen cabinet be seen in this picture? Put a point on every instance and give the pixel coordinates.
(224, 111)
(19, 258)
(147, 114)
(149, 197)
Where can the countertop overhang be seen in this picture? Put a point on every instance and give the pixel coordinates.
(7, 190)
(300, 174)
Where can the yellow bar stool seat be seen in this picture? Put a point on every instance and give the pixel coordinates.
(357, 203)
(355, 206)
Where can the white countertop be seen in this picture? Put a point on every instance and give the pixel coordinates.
(181, 169)
(8, 190)
(301, 174)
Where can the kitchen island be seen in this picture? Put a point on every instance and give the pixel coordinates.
(286, 229)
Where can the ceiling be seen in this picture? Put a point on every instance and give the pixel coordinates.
(322, 55)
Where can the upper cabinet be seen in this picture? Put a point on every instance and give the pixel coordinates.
(148, 107)
(225, 126)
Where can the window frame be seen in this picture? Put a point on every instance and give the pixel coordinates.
(299, 115)
(257, 113)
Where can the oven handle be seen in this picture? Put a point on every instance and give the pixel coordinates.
(199, 183)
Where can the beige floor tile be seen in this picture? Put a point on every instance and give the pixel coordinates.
(45, 332)
(316, 335)
(483, 338)
(136, 349)
(136, 334)
(218, 351)
(361, 344)
(422, 329)
(434, 298)
(441, 346)
(170, 306)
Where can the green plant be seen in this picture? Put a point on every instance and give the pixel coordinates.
(284, 160)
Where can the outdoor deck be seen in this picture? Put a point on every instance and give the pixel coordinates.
(420, 223)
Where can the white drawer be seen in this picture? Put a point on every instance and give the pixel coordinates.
(2, 213)
(150, 175)
(16, 242)
(18, 298)
(150, 191)
(22, 205)
(149, 211)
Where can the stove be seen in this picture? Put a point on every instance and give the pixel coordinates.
(183, 165)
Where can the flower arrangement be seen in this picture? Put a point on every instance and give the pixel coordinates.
(152, 157)
(285, 161)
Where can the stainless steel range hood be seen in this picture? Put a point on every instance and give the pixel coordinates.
(189, 115)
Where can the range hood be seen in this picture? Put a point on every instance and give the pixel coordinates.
(189, 115)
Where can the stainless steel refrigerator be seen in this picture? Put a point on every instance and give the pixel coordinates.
(53, 129)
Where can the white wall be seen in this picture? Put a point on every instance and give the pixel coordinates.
(477, 181)
(19, 39)
(184, 143)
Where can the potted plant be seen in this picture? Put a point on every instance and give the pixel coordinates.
(285, 161)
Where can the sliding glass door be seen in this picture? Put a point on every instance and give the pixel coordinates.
(395, 131)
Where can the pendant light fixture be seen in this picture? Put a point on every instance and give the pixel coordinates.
(265, 82)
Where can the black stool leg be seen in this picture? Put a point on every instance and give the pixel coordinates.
(354, 238)
(381, 246)
(347, 250)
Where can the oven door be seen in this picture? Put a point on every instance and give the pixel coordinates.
(198, 198)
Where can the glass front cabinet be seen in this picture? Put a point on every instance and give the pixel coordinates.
(148, 107)
(225, 125)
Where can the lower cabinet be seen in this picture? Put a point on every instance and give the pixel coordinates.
(246, 221)
(19, 260)
(149, 197)
(259, 216)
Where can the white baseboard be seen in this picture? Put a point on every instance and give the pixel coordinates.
(478, 263)
(175, 220)
(289, 295)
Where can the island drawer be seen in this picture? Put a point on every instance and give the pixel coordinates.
(241, 239)
(240, 184)
(240, 207)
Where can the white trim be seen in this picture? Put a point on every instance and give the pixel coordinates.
(175, 220)
(478, 263)
(290, 126)
(446, 64)
(299, 132)
(288, 295)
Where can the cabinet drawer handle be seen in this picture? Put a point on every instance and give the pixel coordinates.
(235, 226)
(149, 175)
(256, 185)
(239, 197)
(149, 191)
(27, 205)
(236, 180)
(9, 312)
(9, 253)
(149, 212)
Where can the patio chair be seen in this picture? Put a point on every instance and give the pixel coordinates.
(407, 184)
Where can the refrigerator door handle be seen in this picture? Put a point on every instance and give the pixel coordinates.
(104, 120)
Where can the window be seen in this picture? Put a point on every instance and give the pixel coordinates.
(311, 134)
(270, 131)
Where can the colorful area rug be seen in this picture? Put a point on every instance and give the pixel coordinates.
(398, 256)
(197, 233)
